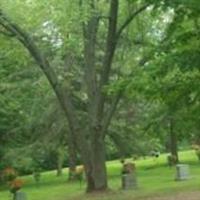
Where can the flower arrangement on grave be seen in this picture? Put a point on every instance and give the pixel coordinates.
(172, 160)
(128, 175)
(10, 177)
(15, 185)
(79, 172)
(9, 174)
(128, 168)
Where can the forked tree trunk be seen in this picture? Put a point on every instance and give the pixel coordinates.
(94, 161)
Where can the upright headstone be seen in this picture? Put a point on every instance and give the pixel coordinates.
(20, 196)
(182, 172)
(129, 180)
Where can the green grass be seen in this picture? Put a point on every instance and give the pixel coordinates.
(154, 178)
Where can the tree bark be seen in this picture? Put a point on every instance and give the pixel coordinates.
(60, 160)
(59, 167)
(99, 163)
(95, 167)
(72, 154)
(173, 140)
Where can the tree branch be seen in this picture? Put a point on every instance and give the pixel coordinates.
(7, 34)
(90, 33)
(109, 54)
(29, 44)
(130, 19)
(111, 41)
(27, 41)
(119, 141)
(111, 112)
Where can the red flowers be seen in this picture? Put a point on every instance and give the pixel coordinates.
(9, 174)
(15, 185)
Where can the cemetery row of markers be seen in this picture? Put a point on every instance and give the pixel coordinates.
(128, 178)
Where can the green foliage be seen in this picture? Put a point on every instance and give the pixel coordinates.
(156, 67)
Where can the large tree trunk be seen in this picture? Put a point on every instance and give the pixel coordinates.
(89, 177)
(96, 173)
(99, 164)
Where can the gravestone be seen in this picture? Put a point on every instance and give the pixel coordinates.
(129, 181)
(20, 196)
(182, 172)
(129, 176)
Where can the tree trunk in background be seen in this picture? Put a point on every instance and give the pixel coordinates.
(72, 169)
(72, 155)
(60, 160)
(59, 167)
(173, 141)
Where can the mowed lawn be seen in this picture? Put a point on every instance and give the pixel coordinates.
(154, 178)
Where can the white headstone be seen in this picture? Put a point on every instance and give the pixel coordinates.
(182, 172)
(129, 181)
(20, 196)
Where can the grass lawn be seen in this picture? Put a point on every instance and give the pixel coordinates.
(154, 178)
